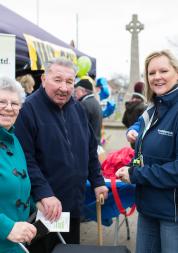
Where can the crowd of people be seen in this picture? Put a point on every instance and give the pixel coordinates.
(48, 147)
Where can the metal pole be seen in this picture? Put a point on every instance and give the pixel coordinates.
(61, 238)
(23, 247)
(37, 11)
(77, 19)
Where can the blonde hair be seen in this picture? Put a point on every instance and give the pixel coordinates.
(27, 82)
(173, 61)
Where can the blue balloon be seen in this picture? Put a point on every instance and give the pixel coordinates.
(109, 109)
(104, 93)
(104, 88)
(100, 82)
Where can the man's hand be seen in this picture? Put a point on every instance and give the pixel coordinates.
(123, 174)
(22, 232)
(132, 136)
(50, 207)
(101, 190)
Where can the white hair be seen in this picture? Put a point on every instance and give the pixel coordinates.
(12, 85)
(61, 61)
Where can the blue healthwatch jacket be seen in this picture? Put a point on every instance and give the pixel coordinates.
(157, 180)
(60, 149)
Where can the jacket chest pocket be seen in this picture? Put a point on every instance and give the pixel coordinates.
(160, 143)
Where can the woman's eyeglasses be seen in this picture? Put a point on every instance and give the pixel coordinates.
(14, 105)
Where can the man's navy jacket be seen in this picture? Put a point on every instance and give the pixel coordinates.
(60, 149)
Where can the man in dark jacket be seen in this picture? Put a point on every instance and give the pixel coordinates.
(84, 93)
(60, 149)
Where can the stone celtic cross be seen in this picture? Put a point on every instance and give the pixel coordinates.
(134, 27)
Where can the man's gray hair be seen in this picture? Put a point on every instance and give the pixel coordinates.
(61, 61)
(12, 85)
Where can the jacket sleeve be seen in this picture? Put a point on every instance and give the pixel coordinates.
(125, 119)
(6, 226)
(26, 130)
(160, 176)
(136, 125)
(95, 177)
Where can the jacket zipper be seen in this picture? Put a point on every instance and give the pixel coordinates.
(175, 204)
(66, 133)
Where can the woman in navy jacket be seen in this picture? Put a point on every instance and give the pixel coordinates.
(155, 167)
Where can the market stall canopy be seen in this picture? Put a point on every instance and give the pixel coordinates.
(26, 32)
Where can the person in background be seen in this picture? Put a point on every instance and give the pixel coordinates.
(14, 179)
(27, 82)
(155, 167)
(134, 108)
(61, 150)
(84, 92)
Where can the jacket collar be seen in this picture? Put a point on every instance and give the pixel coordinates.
(7, 135)
(161, 104)
(86, 96)
(169, 98)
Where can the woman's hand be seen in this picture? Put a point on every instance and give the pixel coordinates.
(123, 174)
(22, 232)
(132, 136)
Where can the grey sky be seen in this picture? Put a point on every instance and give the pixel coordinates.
(101, 26)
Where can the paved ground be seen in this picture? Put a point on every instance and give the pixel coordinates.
(115, 140)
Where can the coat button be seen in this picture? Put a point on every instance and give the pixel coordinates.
(24, 174)
(26, 205)
(9, 153)
(15, 172)
(18, 203)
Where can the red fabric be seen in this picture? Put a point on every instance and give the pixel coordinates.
(111, 164)
(115, 160)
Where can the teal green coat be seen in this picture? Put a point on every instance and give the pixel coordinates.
(14, 188)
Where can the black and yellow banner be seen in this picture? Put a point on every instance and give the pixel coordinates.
(41, 51)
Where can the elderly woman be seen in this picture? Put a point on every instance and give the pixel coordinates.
(155, 168)
(14, 181)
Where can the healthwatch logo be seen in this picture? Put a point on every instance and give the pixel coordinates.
(165, 132)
